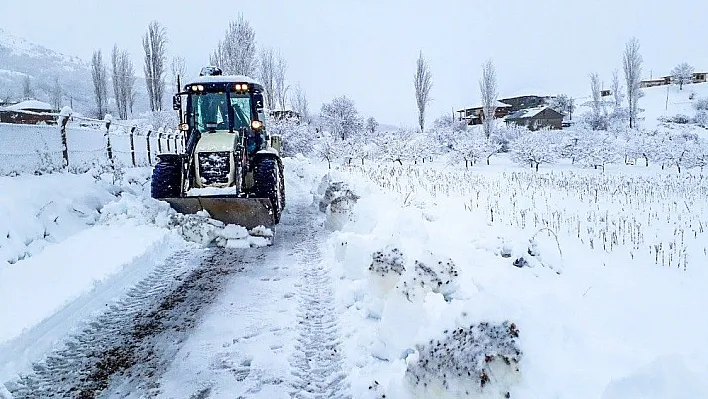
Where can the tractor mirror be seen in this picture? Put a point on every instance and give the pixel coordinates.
(258, 101)
(176, 102)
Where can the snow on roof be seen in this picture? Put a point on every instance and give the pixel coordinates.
(527, 113)
(499, 105)
(30, 104)
(224, 79)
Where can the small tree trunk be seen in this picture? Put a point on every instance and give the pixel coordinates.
(678, 167)
(537, 163)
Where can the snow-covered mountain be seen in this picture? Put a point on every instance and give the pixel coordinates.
(20, 58)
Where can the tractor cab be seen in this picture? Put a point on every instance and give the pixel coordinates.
(229, 167)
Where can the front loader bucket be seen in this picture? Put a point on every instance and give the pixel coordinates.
(246, 212)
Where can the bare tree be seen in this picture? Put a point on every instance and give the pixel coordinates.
(682, 74)
(281, 89)
(299, 104)
(123, 80)
(27, 92)
(178, 68)
(266, 73)
(423, 82)
(617, 89)
(56, 94)
(632, 63)
(155, 47)
(488, 89)
(236, 53)
(100, 84)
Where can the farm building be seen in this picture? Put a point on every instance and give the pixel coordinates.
(30, 112)
(537, 118)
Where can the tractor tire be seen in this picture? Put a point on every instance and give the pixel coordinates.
(167, 177)
(266, 183)
(282, 185)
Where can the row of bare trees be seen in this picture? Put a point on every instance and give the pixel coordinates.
(122, 72)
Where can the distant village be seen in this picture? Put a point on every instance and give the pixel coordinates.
(533, 110)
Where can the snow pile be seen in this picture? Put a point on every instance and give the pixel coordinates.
(461, 362)
(36, 211)
(199, 228)
(336, 201)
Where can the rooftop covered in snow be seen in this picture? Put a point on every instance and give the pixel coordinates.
(30, 105)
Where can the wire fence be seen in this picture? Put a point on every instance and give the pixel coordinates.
(81, 143)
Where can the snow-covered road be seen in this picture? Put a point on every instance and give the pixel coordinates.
(215, 322)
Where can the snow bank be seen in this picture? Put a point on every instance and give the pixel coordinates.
(419, 272)
(36, 211)
(39, 286)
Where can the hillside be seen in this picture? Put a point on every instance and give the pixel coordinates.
(655, 104)
(20, 58)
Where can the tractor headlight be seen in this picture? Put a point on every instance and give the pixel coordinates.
(256, 125)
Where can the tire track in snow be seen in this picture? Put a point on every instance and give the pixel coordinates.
(126, 348)
(317, 361)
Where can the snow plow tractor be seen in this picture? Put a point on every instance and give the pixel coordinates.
(231, 167)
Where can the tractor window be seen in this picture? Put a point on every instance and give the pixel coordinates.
(241, 105)
(210, 112)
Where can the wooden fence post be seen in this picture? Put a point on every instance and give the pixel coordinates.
(159, 143)
(148, 148)
(175, 138)
(109, 149)
(64, 145)
(168, 143)
(132, 145)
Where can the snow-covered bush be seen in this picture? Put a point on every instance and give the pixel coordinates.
(701, 118)
(468, 359)
(701, 104)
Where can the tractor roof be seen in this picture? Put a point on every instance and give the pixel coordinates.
(225, 79)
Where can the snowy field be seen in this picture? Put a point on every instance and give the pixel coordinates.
(406, 281)
(600, 273)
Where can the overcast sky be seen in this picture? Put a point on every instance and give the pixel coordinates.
(366, 49)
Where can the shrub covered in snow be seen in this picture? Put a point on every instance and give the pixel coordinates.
(468, 359)
(387, 261)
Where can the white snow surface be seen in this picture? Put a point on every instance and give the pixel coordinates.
(64, 236)
(602, 275)
(590, 319)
